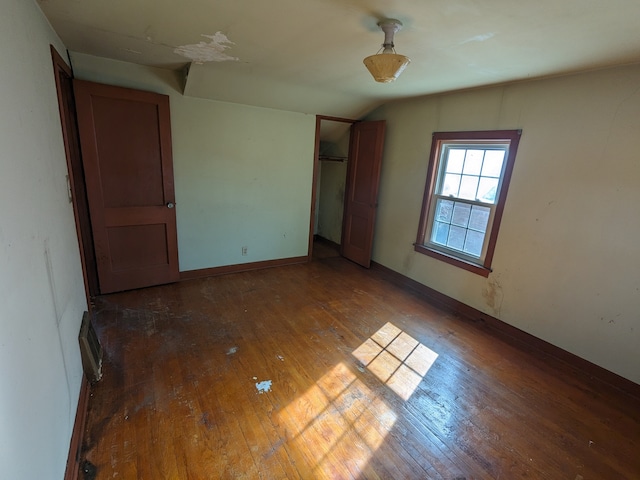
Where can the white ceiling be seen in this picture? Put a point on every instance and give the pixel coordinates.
(306, 55)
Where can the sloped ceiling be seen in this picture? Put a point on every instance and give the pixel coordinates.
(306, 55)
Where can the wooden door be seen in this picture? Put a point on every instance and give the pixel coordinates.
(361, 196)
(125, 137)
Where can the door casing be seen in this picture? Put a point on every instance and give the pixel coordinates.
(77, 187)
(351, 183)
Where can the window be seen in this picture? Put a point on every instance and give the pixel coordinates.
(466, 189)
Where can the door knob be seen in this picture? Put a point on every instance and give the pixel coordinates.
(171, 205)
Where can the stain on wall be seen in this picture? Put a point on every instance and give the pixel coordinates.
(493, 295)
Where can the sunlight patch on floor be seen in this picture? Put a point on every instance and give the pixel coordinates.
(338, 423)
(396, 358)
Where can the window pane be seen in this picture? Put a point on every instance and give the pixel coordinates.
(493, 163)
(455, 160)
(440, 233)
(487, 189)
(468, 187)
(479, 218)
(456, 237)
(444, 209)
(473, 243)
(473, 162)
(461, 213)
(462, 201)
(451, 185)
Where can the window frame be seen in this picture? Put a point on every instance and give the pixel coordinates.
(471, 138)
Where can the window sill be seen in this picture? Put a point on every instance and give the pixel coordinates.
(470, 267)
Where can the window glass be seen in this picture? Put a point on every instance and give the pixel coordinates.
(461, 214)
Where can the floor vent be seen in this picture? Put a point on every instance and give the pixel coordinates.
(90, 350)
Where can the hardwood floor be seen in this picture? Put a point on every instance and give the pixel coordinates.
(325, 370)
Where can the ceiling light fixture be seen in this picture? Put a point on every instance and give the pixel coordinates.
(387, 65)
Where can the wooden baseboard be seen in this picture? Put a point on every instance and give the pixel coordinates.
(242, 267)
(509, 333)
(75, 447)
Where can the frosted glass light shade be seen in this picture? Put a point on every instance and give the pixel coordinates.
(386, 67)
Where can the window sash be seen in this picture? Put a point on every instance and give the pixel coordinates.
(431, 223)
(445, 151)
(442, 143)
(446, 147)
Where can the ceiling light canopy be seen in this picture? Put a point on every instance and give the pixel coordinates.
(387, 65)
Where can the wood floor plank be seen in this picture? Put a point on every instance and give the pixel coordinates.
(329, 430)
(368, 381)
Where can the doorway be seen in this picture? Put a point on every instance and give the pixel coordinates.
(345, 197)
(332, 166)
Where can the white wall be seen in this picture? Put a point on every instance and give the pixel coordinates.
(333, 179)
(41, 288)
(567, 261)
(331, 199)
(243, 175)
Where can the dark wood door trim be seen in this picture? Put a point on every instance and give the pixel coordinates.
(68, 120)
(316, 166)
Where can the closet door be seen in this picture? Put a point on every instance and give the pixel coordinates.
(361, 196)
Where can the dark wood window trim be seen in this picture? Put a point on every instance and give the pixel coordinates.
(512, 137)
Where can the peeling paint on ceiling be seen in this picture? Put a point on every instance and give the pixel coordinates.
(213, 51)
(479, 38)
